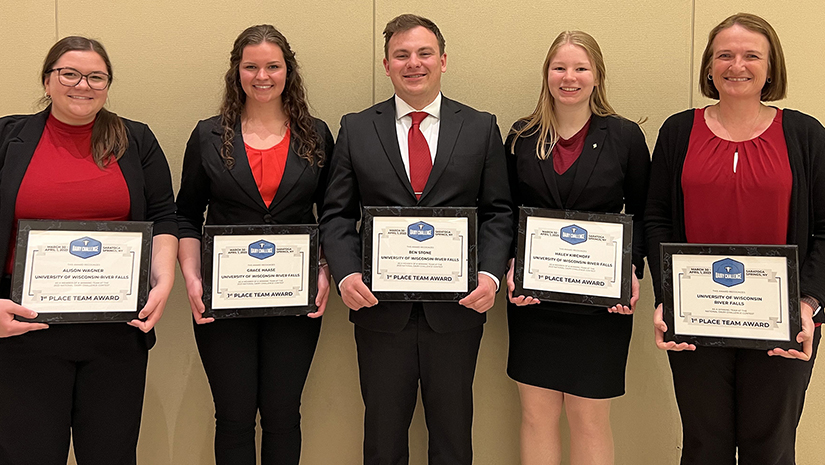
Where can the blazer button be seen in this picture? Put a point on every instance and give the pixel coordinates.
(268, 219)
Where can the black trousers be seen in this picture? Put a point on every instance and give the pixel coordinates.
(82, 381)
(391, 366)
(258, 364)
(739, 399)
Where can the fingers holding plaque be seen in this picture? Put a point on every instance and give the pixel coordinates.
(252, 271)
(82, 271)
(731, 295)
(419, 254)
(574, 257)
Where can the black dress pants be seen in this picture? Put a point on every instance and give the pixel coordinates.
(258, 364)
(739, 400)
(391, 366)
(83, 381)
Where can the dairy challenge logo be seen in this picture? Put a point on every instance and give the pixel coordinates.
(420, 231)
(261, 249)
(728, 272)
(573, 234)
(85, 247)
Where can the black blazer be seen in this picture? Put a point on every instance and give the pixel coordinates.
(143, 166)
(233, 196)
(367, 169)
(612, 173)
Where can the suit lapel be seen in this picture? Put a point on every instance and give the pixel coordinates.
(387, 134)
(549, 175)
(449, 128)
(587, 160)
(293, 170)
(22, 150)
(241, 172)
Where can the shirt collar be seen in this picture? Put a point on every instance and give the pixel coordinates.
(403, 109)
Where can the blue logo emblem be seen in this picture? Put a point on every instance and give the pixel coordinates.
(728, 272)
(261, 249)
(420, 231)
(573, 234)
(84, 247)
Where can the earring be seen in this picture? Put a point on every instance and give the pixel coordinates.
(710, 78)
(47, 96)
(769, 80)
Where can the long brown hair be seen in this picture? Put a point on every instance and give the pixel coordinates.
(109, 138)
(543, 119)
(301, 124)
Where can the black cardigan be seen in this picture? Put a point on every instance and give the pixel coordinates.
(665, 214)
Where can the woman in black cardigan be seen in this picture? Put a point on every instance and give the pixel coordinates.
(741, 402)
(255, 364)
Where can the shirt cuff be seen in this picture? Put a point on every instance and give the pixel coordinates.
(495, 280)
(344, 278)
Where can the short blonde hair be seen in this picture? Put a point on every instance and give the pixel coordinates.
(776, 86)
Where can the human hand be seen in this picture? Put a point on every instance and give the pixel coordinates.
(11, 327)
(806, 336)
(511, 287)
(323, 292)
(153, 309)
(355, 294)
(484, 295)
(635, 289)
(660, 327)
(194, 290)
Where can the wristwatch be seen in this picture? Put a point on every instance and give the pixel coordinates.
(812, 302)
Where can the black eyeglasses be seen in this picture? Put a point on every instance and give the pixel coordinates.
(71, 77)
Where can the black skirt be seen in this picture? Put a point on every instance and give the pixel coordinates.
(584, 354)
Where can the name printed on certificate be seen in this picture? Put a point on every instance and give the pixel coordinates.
(82, 271)
(732, 297)
(419, 255)
(260, 271)
(574, 257)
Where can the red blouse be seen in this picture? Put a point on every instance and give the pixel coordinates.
(567, 151)
(267, 167)
(63, 182)
(736, 192)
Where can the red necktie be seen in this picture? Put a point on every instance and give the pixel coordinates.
(420, 162)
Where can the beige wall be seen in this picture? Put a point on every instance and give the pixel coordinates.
(169, 58)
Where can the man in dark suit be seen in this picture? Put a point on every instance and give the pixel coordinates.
(417, 149)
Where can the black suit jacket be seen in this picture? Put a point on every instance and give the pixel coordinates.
(612, 173)
(233, 196)
(367, 169)
(143, 166)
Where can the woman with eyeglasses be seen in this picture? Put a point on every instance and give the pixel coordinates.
(78, 161)
(262, 160)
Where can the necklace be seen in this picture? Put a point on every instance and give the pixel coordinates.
(730, 137)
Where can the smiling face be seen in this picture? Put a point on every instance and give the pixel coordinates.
(570, 76)
(740, 63)
(79, 104)
(263, 73)
(414, 66)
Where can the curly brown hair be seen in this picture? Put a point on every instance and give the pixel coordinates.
(301, 123)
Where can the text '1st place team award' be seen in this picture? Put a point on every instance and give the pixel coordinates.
(82, 271)
(574, 257)
(419, 254)
(731, 295)
(259, 270)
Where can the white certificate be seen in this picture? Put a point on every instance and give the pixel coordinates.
(260, 271)
(82, 271)
(416, 254)
(731, 296)
(573, 256)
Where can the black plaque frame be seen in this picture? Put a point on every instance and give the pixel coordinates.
(794, 318)
(207, 244)
(582, 299)
(23, 229)
(423, 213)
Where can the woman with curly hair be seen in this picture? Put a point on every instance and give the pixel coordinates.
(262, 160)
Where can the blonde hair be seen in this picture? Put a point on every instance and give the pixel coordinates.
(543, 119)
(776, 86)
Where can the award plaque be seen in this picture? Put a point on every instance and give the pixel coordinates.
(82, 271)
(574, 257)
(731, 295)
(419, 254)
(260, 270)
